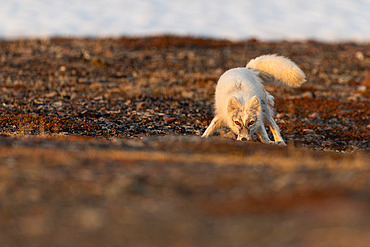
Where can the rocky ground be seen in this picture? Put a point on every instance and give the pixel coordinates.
(100, 146)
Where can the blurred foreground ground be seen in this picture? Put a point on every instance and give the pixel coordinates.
(100, 146)
(180, 191)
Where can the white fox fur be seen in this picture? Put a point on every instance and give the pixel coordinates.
(243, 104)
(273, 65)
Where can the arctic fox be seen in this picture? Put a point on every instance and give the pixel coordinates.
(243, 104)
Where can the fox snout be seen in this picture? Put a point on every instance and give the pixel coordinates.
(240, 138)
(244, 135)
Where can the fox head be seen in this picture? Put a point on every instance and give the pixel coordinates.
(244, 119)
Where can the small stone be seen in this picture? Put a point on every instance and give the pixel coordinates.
(51, 94)
(140, 106)
(278, 115)
(359, 55)
(308, 130)
(98, 61)
(58, 104)
(98, 98)
(355, 97)
(314, 115)
(362, 88)
(171, 119)
(73, 96)
(308, 94)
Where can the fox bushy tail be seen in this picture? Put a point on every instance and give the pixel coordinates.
(274, 67)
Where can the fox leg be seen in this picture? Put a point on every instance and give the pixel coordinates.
(262, 135)
(275, 131)
(214, 125)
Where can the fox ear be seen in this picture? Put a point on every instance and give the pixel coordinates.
(233, 104)
(254, 103)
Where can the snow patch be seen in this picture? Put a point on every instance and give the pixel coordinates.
(329, 20)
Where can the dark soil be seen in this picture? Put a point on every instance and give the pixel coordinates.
(100, 146)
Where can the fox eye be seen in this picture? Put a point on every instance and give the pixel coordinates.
(237, 123)
(250, 123)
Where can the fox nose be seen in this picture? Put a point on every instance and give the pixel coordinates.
(244, 139)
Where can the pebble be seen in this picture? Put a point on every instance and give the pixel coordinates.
(308, 130)
(362, 88)
(359, 55)
(314, 115)
(308, 94)
(278, 115)
(51, 94)
(355, 97)
(73, 96)
(140, 106)
(58, 104)
(98, 98)
(171, 119)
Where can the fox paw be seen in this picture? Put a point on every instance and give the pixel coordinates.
(281, 143)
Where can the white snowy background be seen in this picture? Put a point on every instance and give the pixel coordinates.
(325, 20)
